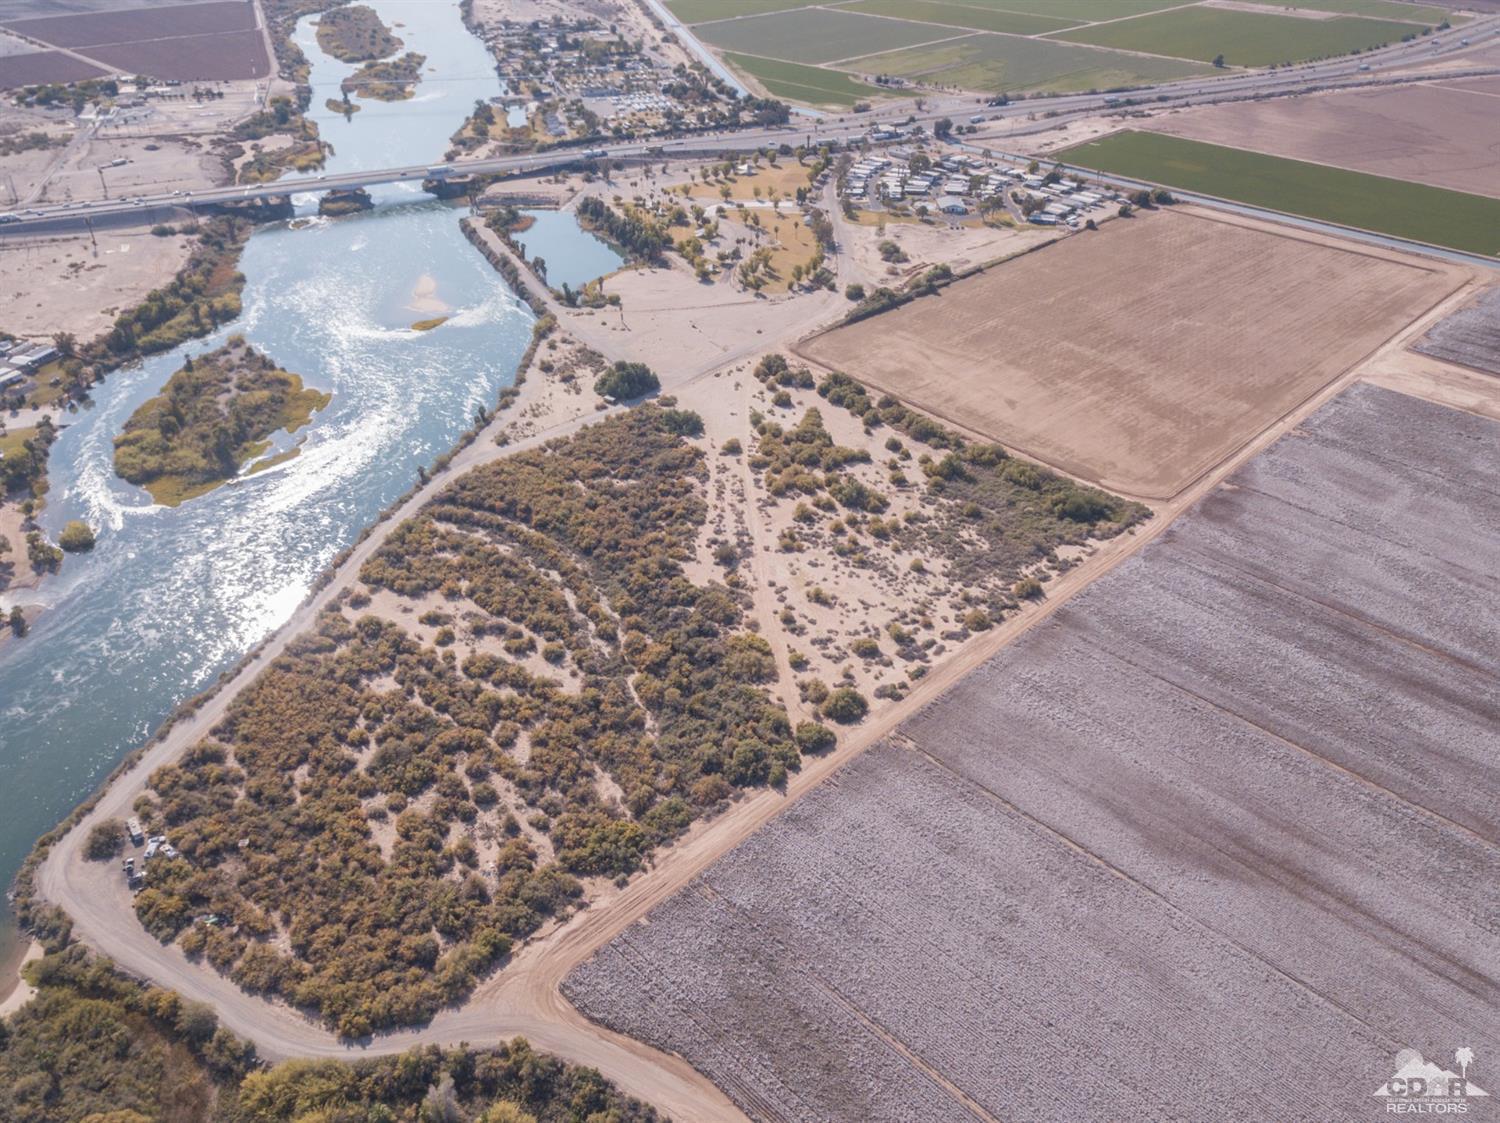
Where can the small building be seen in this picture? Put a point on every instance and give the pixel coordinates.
(31, 356)
(952, 204)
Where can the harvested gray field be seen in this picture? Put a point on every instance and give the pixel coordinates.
(1469, 337)
(37, 68)
(185, 42)
(26, 9)
(1215, 841)
(138, 24)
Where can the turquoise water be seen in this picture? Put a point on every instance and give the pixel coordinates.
(172, 596)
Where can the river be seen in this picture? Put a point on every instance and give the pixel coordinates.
(170, 597)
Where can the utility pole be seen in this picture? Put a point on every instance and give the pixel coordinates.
(103, 186)
(93, 241)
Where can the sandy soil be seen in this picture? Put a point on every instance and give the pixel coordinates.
(15, 567)
(1067, 356)
(425, 298)
(155, 165)
(1443, 133)
(68, 283)
(21, 992)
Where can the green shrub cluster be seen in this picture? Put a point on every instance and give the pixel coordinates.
(95, 1047)
(204, 294)
(625, 381)
(843, 391)
(577, 547)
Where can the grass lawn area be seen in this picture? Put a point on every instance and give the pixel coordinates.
(43, 393)
(961, 15)
(12, 440)
(817, 35)
(1243, 38)
(1004, 63)
(797, 82)
(1369, 202)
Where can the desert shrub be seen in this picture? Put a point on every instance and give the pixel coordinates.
(625, 381)
(106, 839)
(815, 737)
(578, 545)
(845, 705)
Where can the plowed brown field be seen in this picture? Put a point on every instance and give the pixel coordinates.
(1446, 133)
(1141, 355)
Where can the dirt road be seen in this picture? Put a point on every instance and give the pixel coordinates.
(525, 998)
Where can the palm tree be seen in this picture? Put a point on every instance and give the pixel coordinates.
(1464, 1056)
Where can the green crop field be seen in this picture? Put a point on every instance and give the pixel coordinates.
(1369, 202)
(810, 84)
(817, 35)
(1243, 38)
(960, 15)
(696, 11)
(1077, 11)
(1377, 9)
(1003, 63)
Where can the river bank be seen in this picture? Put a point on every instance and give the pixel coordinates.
(173, 596)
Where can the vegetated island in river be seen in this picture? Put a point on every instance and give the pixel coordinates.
(393, 80)
(211, 417)
(356, 34)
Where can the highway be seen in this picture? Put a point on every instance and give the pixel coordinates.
(1370, 68)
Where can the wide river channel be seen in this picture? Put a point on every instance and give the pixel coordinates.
(170, 597)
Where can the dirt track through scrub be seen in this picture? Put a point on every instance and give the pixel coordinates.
(1214, 841)
(1139, 356)
(1469, 337)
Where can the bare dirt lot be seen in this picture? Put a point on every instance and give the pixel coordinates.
(62, 284)
(1442, 133)
(1469, 337)
(1140, 355)
(1216, 829)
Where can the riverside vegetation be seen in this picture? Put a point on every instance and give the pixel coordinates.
(97, 1047)
(356, 34)
(986, 516)
(212, 416)
(526, 690)
(392, 80)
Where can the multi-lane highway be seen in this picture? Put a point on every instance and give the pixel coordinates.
(1373, 67)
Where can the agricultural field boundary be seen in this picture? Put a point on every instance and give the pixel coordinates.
(1329, 440)
(1070, 155)
(1408, 331)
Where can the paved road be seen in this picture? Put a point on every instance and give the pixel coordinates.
(1357, 70)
